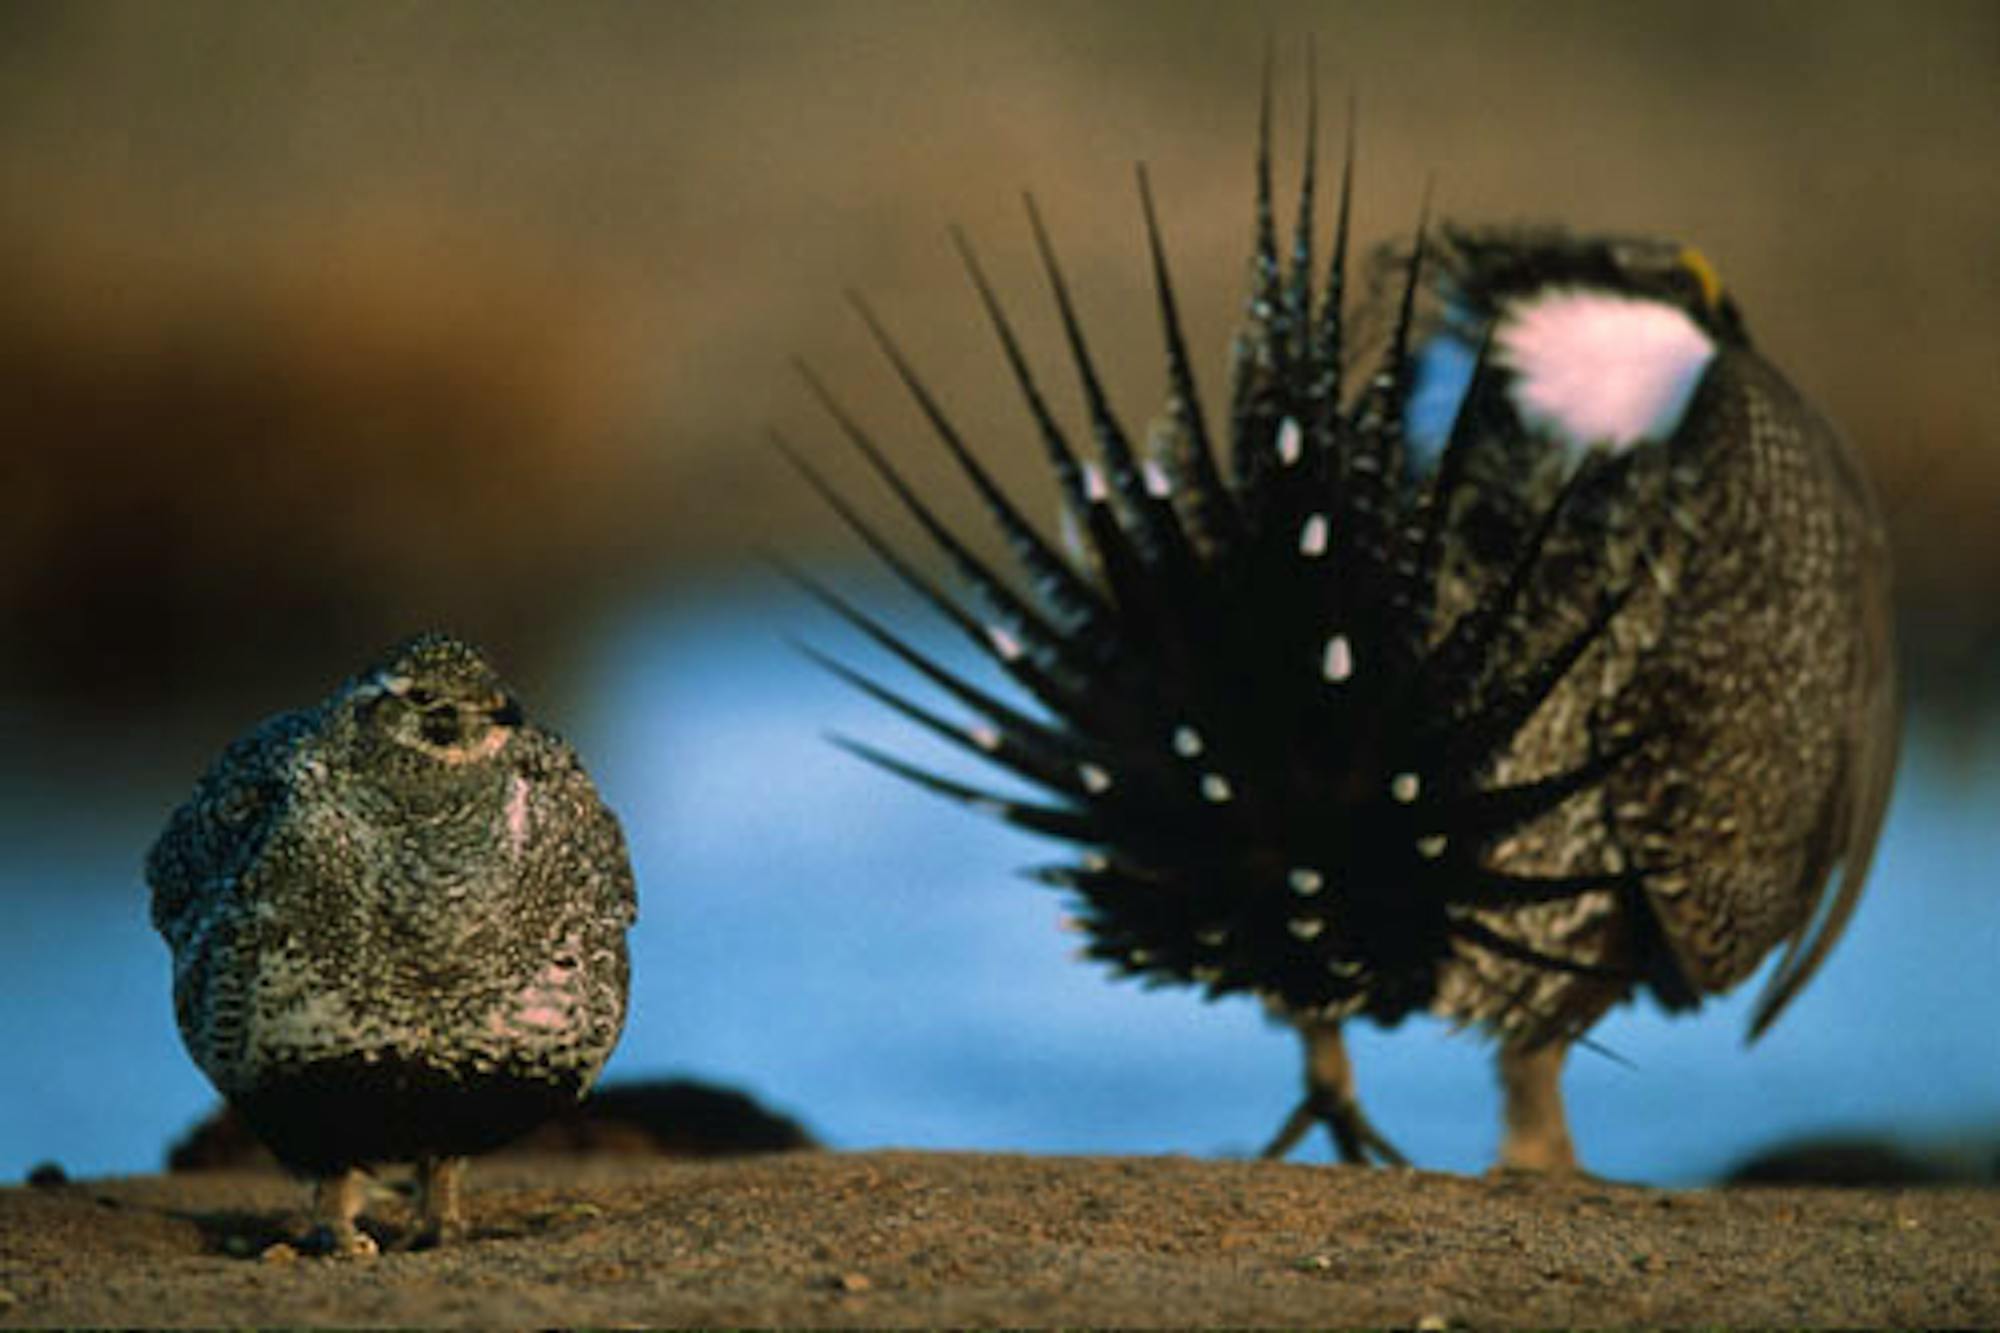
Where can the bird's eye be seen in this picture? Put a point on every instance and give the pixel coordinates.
(420, 697)
(1683, 288)
(440, 726)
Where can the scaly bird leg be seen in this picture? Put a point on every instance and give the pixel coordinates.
(1330, 1100)
(1537, 1134)
(336, 1203)
(440, 1199)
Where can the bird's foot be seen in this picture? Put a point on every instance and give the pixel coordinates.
(1330, 1101)
(416, 1240)
(1531, 1171)
(1519, 1175)
(440, 1202)
(336, 1204)
(431, 1233)
(1357, 1141)
(333, 1242)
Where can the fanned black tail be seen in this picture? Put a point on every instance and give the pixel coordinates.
(1270, 737)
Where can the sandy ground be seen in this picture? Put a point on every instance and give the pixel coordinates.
(909, 1238)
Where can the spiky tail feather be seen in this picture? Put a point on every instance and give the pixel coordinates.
(1276, 758)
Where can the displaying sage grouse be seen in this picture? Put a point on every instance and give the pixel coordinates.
(1545, 662)
(398, 924)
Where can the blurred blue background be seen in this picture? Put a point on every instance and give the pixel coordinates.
(319, 324)
(858, 954)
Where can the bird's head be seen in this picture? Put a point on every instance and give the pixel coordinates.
(436, 700)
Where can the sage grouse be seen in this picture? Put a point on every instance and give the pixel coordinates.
(398, 927)
(1540, 660)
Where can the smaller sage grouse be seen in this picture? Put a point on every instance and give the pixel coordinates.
(1537, 659)
(398, 927)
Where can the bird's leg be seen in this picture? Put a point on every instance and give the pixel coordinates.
(440, 1201)
(336, 1203)
(1330, 1100)
(1537, 1133)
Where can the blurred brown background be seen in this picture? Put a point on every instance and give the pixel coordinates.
(322, 322)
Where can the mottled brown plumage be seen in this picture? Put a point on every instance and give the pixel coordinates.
(1755, 649)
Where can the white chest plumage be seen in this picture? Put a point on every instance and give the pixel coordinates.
(1601, 369)
(1588, 369)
